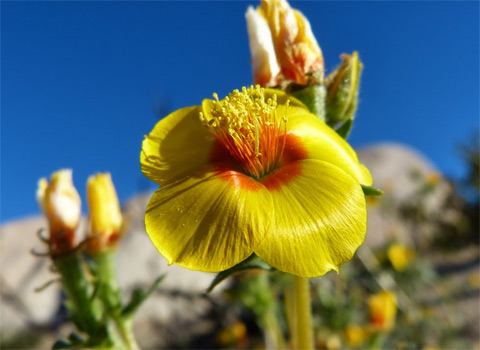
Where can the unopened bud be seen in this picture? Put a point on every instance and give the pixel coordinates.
(342, 90)
(60, 203)
(105, 215)
(264, 59)
(295, 47)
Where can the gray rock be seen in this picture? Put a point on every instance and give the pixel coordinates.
(399, 171)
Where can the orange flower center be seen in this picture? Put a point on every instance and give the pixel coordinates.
(249, 129)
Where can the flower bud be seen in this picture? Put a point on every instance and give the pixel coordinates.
(60, 203)
(264, 59)
(383, 309)
(355, 335)
(296, 49)
(105, 214)
(342, 90)
(399, 256)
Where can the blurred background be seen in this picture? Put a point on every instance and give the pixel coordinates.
(82, 82)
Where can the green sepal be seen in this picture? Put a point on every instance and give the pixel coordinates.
(371, 191)
(252, 262)
(345, 128)
(138, 297)
(314, 98)
(342, 87)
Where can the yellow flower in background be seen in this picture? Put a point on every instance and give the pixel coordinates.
(355, 335)
(399, 256)
(253, 173)
(383, 309)
(234, 335)
(105, 214)
(60, 203)
(282, 44)
(434, 178)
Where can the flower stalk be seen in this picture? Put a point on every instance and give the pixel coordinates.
(86, 309)
(110, 293)
(303, 313)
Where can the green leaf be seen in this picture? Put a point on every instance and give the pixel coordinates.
(252, 262)
(371, 191)
(345, 129)
(138, 297)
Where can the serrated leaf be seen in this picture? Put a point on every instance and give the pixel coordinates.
(371, 191)
(345, 129)
(138, 297)
(252, 262)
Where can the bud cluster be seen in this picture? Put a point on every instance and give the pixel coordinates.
(60, 203)
(87, 268)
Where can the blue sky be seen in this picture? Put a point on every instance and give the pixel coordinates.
(82, 82)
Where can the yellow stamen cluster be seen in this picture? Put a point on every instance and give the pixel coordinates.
(249, 129)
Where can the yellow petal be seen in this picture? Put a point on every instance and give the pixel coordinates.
(177, 144)
(208, 220)
(323, 143)
(320, 218)
(320, 140)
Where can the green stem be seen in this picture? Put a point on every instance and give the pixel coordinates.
(111, 296)
(126, 331)
(79, 290)
(376, 341)
(290, 314)
(303, 313)
(273, 333)
(108, 285)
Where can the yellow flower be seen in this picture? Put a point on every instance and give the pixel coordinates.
(434, 178)
(383, 309)
(60, 203)
(355, 335)
(105, 214)
(281, 41)
(234, 335)
(253, 173)
(400, 256)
